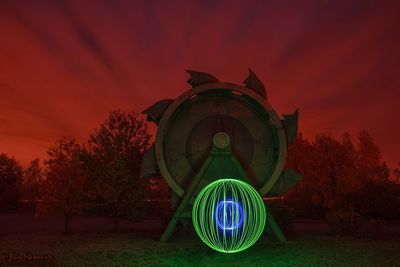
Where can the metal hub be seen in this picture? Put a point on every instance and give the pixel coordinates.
(221, 140)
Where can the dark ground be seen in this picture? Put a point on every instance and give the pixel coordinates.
(94, 244)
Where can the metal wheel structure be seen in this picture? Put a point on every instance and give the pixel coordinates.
(216, 116)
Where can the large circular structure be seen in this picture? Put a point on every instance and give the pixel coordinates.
(229, 215)
(186, 129)
(216, 130)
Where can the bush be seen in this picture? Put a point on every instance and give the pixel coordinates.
(283, 215)
(10, 181)
(351, 223)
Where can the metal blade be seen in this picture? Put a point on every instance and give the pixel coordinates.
(253, 82)
(287, 180)
(291, 124)
(155, 112)
(198, 78)
(149, 167)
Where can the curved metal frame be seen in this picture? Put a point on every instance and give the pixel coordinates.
(165, 120)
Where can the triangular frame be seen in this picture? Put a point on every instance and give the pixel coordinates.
(216, 155)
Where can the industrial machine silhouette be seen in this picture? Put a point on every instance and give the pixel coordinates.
(219, 130)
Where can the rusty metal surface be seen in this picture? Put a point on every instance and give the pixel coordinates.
(187, 126)
(253, 82)
(198, 78)
(290, 122)
(287, 180)
(149, 166)
(155, 111)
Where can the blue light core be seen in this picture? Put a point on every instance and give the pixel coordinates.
(229, 215)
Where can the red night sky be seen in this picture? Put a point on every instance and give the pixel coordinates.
(65, 64)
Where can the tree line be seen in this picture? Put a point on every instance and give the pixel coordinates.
(340, 178)
(102, 175)
(346, 182)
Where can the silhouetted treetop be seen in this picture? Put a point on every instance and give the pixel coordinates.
(10, 182)
(113, 160)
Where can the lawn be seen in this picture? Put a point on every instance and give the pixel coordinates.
(139, 249)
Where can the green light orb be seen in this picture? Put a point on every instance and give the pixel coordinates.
(229, 215)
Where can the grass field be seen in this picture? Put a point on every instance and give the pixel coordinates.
(133, 249)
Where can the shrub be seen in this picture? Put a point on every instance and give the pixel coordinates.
(347, 222)
(283, 215)
(10, 181)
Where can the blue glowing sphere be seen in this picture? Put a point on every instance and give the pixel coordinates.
(229, 215)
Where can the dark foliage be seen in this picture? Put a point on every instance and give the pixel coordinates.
(350, 185)
(63, 189)
(10, 182)
(113, 164)
(283, 214)
(32, 186)
(349, 222)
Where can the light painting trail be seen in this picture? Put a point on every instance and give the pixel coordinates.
(229, 215)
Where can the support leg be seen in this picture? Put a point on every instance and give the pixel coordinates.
(274, 227)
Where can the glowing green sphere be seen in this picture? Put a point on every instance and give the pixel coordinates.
(229, 215)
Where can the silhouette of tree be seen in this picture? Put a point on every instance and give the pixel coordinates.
(10, 181)
(114, 156)
(354, 182)
(32, 183)
(370, 163)
(396, 173)
(336, 174)
(159, 192)
(334, 179)
(303, 197)
(65, 181)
